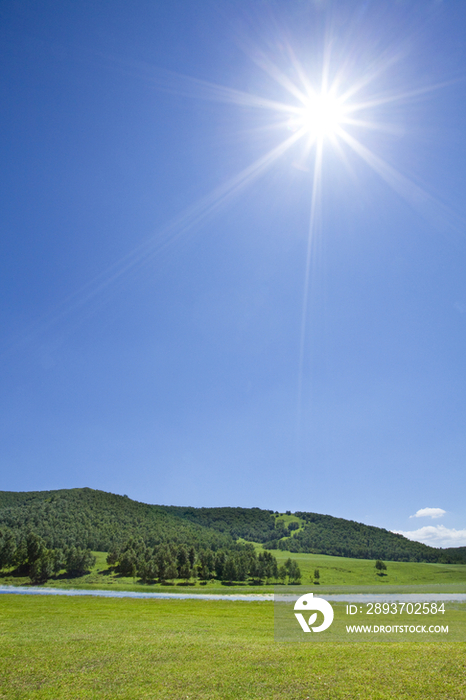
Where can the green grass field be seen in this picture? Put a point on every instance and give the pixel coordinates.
(334, 571)
(337, 571)
(76, 648)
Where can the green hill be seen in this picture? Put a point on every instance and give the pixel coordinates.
(325, 534)
(103, 521)
(99, 521)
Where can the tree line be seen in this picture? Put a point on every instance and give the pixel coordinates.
(160, 563)
(31, 557)
(166, 562)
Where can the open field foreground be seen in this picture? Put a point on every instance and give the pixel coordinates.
(63, 648)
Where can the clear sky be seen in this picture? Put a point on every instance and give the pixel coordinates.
(233, 255)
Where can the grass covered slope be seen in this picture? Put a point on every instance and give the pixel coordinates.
(102, 521)
(62, 648)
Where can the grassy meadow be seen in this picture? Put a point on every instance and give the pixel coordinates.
(340, 571)
(334, 571)
(55, 648)
(93, 648)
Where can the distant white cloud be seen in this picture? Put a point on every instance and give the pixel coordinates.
(436, 535)
(429, 513)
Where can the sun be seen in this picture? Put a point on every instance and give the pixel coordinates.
(321, 116)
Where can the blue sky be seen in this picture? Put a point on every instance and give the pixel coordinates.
(207, 299)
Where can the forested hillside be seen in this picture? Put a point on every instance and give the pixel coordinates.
(252, 524)
(104, 522)
(325, 534)
(99, 521)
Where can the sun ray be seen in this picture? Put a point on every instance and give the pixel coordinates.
(399, 96)
(196, 88)
(185, 223)
(381, 66)
(372, 125)
(279, 76)
(312, 231)
(425, 204)
(178, 84)
(318, 116)
(299, 70)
